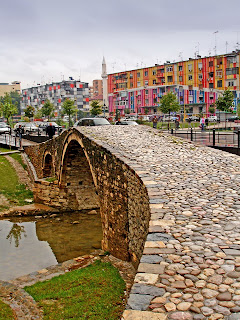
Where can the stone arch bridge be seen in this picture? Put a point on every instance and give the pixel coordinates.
(167, 203)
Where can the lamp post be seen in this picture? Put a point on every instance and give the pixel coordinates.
(104, 107)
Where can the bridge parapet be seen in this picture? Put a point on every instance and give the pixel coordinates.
(190, 264)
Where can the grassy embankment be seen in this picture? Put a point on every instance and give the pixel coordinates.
(9, 186)
(95, 292)
(5, 312)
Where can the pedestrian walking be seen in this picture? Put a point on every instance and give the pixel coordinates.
(51, 130)
(202, 122)
(19, 133)
(155, 121)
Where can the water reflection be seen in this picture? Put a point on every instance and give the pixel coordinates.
(16, 234)
(28, 244)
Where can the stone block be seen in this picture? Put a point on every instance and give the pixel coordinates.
(143, 315)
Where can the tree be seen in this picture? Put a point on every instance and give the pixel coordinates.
(69, 109)
(211, 110)
(225, 102)
(169, 103)
(29, 111)
(7, 107)
(96, 108)
(47, 109)
(146, 111)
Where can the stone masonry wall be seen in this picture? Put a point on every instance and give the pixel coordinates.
(110, 183)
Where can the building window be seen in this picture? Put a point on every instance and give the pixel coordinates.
(180, 78)
(200, 76)
(146, 83)
(146, 92)
(154, 81)
(154, 91)
(180, 68)
(190, 68)
(169, 78)
(211, 74)
(162, 70)
(200, 65)
(138, 83)
(138, 74)
(146, 101)
(230, 83)
(163, 80)
(131, 76)
(190, 77)
(131, 85)
(146, 73)
(154, 72)
(210, 63)
(169, 69)
(211, 85)
(219, 83)
(219, 73)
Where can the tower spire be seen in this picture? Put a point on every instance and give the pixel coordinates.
(104, 80)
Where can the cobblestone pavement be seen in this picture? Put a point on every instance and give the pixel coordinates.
(190, 268)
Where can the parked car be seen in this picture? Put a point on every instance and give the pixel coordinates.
(192, 118)
(127, 122)
(92, 122)
(30, 127)
(233, 118)
(4, 128)
(17, 126)
(43, 126)
(212, 119)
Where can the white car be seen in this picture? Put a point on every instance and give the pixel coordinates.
(212, 119)
(4, 128)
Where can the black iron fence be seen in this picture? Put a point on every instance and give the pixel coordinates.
(214, 137)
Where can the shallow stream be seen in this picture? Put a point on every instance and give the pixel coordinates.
(28, 244)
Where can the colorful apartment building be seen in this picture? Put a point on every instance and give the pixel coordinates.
(56, 93)
(196, 82)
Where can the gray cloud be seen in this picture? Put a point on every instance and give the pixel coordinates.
(45, 39)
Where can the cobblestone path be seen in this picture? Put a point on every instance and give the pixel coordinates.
(190, 268)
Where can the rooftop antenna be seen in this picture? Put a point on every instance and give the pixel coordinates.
(125, 66)
(215, 32)
(226, 46)
(180, 56)
(113, 65)
(141, 64)
(137, 65)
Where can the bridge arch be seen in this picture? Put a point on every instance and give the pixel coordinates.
(76, 174)
(47, 168)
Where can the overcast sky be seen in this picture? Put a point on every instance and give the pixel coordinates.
(44, 41)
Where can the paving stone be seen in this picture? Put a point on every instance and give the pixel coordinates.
(139, 301)
(148, 258)
(147, 289)
(142, 315)
(150, 268)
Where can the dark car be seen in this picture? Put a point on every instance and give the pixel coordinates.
(233, 118)
(43, 126)
(92, 122)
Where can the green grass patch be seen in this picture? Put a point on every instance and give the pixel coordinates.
(95, 292)
(17, 157)
(51, 179)
(4, 150)
(6, 312)
(16, 193)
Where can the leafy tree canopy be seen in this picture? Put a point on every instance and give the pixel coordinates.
(69, 109)
(225, 102)
(29, 111)
(96, 108)
(211, 110)
(7, 107)
(48, 109)
(169, 103)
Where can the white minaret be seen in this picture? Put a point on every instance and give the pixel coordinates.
(104, 80)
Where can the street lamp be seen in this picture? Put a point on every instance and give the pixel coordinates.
(104, 107)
